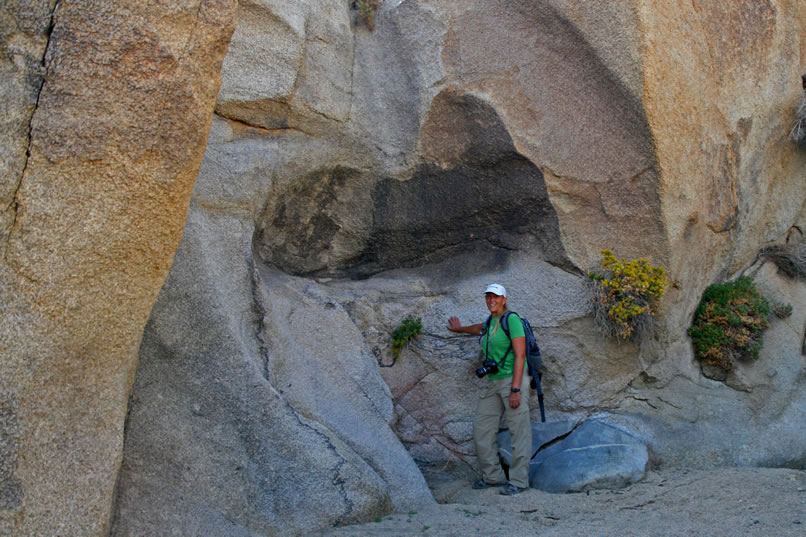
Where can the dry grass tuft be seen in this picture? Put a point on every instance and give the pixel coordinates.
(798, 132)
(790, 258)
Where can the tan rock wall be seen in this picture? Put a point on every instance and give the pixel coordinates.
(657, 129)
(569, 114)
(116, 140)
(721, 85)
(24, 36)
(612, 29)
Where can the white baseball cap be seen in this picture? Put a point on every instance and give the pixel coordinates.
(496, 289)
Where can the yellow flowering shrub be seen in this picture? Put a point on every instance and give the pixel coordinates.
(626, 296)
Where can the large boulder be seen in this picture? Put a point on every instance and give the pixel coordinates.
(106, 107)
(268, 380)
(571, 456)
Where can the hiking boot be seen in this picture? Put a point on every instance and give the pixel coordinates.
(511, 490)
(482, 484)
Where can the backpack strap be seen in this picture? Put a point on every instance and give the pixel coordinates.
(485, 326)
(505, 323)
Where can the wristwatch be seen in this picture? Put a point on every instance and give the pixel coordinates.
(514, 390)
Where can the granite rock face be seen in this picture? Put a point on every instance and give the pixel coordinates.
(344, 223)
(105, 113)
(352, 178)
(239, 444)
(273, 387)
(380, 174)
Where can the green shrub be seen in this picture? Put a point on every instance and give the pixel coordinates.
(626, 297)
(781, 310)
(409, 329)
(729, 323)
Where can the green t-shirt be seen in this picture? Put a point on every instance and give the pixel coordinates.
(500, 344)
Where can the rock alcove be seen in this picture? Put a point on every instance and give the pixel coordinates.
(345, 223)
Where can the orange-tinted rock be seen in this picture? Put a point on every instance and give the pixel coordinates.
(116, 139)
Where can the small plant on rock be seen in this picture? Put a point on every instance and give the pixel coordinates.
(410, 328)
(729, 323)
(780, 309)
(626, 296)
(366, 11)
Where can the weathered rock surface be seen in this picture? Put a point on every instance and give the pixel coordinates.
(352, 178)
(272, 385)
(381, 174)
(345, 223)
(105, 114)
(245, 440)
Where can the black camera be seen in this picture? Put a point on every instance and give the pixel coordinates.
(487, 366)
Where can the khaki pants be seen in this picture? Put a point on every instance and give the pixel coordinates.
(494, 403)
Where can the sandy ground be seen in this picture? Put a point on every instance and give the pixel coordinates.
(729, 502)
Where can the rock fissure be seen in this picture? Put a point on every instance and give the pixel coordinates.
(260, 314)
(13, 204)
(664, 401)
(263, 130)
(451, 448)
(600, 199)
(557, 439)
(400, 396)
(641, 172)
(642, 400)
(337, 480)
